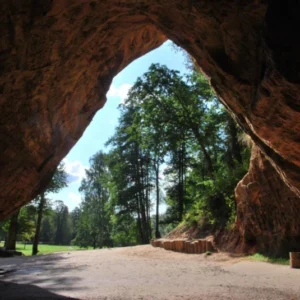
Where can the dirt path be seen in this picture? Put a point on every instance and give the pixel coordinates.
(144, 272)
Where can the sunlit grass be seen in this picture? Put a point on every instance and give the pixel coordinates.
(268, 259)
(46, 249)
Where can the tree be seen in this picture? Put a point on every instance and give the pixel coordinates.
(178, 119)
(58, 181)
(12, 232)
(94, 218)
(169, 112)
(131, 170)
(21, 226)
(172, 122)
(26, 224)
(47, 228)
(75, 217)
(62, 224)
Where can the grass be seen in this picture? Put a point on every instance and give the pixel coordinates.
(268, 259)
(46, 249)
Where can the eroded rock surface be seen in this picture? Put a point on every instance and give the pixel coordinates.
(58, 58)
(267, 210)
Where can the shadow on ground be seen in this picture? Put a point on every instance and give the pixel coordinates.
(21, 274)
(15, 291)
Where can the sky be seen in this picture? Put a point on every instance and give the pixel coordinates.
(104, 122)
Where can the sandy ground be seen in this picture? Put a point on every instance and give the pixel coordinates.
(144, 272)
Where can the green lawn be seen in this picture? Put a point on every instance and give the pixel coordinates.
(45, 249)
(272, 260)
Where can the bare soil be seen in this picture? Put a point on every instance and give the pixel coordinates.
(144, 272)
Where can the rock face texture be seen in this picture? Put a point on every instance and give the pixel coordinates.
(267, 210)
(58, 58)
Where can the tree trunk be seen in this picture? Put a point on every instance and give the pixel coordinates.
(139, 223)
(157, 233)
(38, 224)
(144, 223)
(94, 242)
(140, 183)
(12, 233)
(180, 183)
(148, 201)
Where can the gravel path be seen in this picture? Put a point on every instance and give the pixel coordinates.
(147, 273)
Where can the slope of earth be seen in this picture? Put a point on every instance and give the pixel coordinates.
(267, 214)
(144, 272)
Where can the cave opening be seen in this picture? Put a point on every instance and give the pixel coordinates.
(204, 156)
(173, 63)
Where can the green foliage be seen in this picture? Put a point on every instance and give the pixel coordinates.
(46, 249)
(26, 224)
(48, 229)
(176, 121)
(58, 180)
(75, 220)
(169, 122)
(62, 224)
(124, 230)
(214, 203)
(4, 228)
(269, 259)
(94, 228)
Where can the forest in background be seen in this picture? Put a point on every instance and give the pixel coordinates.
(174, 144)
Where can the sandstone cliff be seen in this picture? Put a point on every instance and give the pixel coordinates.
(58, 58)
(267, 210)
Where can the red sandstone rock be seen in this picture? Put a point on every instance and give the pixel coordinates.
(267, 210)
(59, 57)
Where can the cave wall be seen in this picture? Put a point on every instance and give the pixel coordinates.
(58, 58)
(267, 210)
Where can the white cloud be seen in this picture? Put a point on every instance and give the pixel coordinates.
(75, 198)
(75, 170)
(120, 91)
